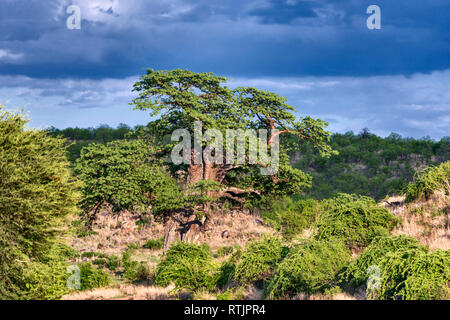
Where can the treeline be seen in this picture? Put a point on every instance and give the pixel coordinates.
(368, 164)
(103, 133)
(82, 137)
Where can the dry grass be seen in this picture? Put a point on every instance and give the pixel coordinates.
(427, 221)
(124, 292)
(115, 232)
(242, 228)
(358, 295)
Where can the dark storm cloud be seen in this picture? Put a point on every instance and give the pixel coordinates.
(240, 38)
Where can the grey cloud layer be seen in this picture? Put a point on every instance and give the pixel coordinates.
(237, 37)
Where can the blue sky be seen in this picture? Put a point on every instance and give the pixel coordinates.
(318, 53)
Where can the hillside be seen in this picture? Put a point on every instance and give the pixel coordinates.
(369, 165)
(424, 220)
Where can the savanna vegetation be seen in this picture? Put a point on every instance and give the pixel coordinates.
(324, 235)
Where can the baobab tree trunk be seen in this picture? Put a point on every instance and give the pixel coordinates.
(183, 226)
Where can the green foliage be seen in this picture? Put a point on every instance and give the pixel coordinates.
(154, 244)
(134, 271)
(355, 220)
(366, 164)
(80, 137)
(224, 251)
(413, 274)
(406, 270)
(291, 216)
(228, 268)
(43, 279)
(308, 268)
(288, 181)
(91, 277)
(37, 191)
(428, 181)
(181, 97)
(356, 273)
(428, 278)
(188, 266)
(259, 259)
(111, 262)
(121, 174)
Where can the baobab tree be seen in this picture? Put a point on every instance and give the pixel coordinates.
(178, 99)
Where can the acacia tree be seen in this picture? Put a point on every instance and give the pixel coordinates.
(124, 176)
(37, 191)
(179, 98)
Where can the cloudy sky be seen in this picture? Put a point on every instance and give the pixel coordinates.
(318, 53)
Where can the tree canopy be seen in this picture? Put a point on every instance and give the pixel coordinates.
(179, 98)
(37, 191)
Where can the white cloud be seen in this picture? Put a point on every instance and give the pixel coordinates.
(413, 106)
(8, 56)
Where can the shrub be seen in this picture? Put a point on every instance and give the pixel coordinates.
(89, 254)
(355, 220)
(413, 274)
(224, 251)
(428, 181)
(259, 260)
(134, 271)
(112, 262)
(308, 268)
(292, 217)
(356, 274)
(429, 278)
(406, 270)
(46, 279)
(188, 266)
(154, 244)
(37, 192)
(133, 245)
(91, 277)
(228, 268)
(123, 175)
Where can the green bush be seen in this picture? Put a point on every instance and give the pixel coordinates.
(428, 181)
(355, 220)
(429, 278)
(47, 278)
(112, 262)
(224, 251)
(406, 270)
(154, 244)
(292, 217)
(259, 259)
(188, 266)
(37, 190)
(308, 268)
(134, 271)
(413, 274)
(122, 174)
(91, 277)
(356, 274)
(228, 268)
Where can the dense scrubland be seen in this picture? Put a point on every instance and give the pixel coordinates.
(348, 216)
